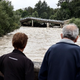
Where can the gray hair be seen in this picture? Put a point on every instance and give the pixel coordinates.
(70, 31)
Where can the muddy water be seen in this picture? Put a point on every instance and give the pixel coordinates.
(40, 39)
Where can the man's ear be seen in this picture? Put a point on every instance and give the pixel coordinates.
(61, 36)
(76, 39)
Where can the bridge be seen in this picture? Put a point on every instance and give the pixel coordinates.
(46, 21)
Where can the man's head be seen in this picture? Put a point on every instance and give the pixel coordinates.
(70, 31)
(19, 40)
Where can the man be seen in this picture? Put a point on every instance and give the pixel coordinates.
(62, 60)
(15, 65)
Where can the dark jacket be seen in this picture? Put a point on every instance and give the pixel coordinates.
(61, 62)
(16, 66)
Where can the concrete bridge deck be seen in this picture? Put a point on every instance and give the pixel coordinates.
(47, 21)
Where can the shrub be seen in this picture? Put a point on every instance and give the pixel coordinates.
(8, 20)
(76, 21)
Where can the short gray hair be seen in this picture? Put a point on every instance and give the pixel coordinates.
(70, 31)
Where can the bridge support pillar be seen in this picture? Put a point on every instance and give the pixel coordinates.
(32, 23)
(47, 25)
(61, 26)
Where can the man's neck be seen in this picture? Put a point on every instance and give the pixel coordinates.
(66, 40)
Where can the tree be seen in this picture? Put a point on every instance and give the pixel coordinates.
(61, 14)
(43, 9)
(3, 20)
(38, 7)
(24, 14)
(44, 15)
(72, 8)
(52, 17)
(62, 1)
(50, 11)
(77, 12)
(19, 11)
(44, 6)
(8, 22)
(35, 14)
(29, 10)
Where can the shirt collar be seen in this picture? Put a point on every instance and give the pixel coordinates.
(18, 51)
(67, 41)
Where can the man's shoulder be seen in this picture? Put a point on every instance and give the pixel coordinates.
(65, 45)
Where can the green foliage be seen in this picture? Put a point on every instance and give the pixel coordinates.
(64, 5)
(24, 13)
(41, 10)
(62, 1)
(61, 14)
(77, 12)
(76, 21)
(29, 10)
(38, 7)
(35, 14)
(44, 15)
(7, 18)
(67, 10)
(72, 8)
(44, 11)
(52, 17)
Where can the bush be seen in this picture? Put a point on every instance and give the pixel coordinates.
(8, 19)
(76, 21)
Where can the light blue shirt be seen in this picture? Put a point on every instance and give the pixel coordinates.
(67, 41)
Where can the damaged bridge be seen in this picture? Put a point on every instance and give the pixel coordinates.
(31, 21)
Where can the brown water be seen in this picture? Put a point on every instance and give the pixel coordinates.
(40, 39)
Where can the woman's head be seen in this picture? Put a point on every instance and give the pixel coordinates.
(19, 40)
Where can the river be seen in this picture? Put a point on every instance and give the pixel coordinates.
(40, 39)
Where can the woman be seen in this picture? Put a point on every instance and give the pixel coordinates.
(15, 65)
